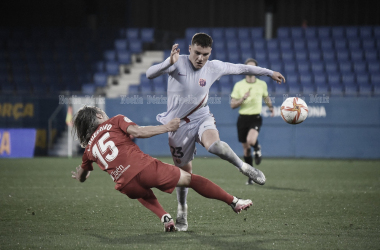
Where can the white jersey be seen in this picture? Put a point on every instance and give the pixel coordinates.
(188, 87)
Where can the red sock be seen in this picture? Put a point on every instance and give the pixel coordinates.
(209, 189)
(151, 203)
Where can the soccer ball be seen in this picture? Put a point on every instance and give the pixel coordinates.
(294, 110)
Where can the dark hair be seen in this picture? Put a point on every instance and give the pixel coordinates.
(85, 123)
(202, 39)
(251, 60)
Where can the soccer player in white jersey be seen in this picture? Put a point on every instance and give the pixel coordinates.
(190, 78)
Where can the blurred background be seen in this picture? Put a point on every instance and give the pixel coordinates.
(56, 56)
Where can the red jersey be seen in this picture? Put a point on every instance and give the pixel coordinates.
(112, 149)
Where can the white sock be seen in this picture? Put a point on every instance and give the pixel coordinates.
(223, 150)
(182, 196)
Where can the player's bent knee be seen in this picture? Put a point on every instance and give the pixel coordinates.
(184, 179)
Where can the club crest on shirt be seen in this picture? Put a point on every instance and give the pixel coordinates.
(202, 82)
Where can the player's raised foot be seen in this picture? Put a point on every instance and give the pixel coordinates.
(257, 154)
(181, 221)
(169, 225)
(255, 174)
(239, 204)
(250, 182)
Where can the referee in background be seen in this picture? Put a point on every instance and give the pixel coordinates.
(247, 94)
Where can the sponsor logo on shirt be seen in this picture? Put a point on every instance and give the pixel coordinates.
(126, 119)
(202, 82)
(115, 175)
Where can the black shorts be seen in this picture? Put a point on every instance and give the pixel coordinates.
(247, 122)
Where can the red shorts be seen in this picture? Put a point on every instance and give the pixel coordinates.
(158, 175)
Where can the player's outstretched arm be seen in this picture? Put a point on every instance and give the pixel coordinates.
(149, 131)
(81, 174)
(278, 77)
(166, 66)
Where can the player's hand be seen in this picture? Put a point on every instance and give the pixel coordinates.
(76, 175)
(247, 94)
(278, 77)
(174, 54)
(173, 125)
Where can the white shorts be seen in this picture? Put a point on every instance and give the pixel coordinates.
(182, 141)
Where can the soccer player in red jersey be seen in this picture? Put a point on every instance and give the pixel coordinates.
(107, 142)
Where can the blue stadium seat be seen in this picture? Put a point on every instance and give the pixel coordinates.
(362, 79)
(225, 89)
(303, 66)
(317, 67)
(217, 34)
(244, 55)
(369, 44)
(112, 67)
(100, 79)
(320, 79)
(280, 89)
(375, 79)
(88, 89)
(376, 90)
(356, 55)
(232, 44)
(312, 44)
(244, 34)
(342, 55)
(365, 90)
(370, 55)
(287, 55)
(221, 55)
(331, 67)
(348, 79)
(259, 44)
(245, 45)
(132, 33)
(283, 32)
(328, 55)
(135, 46)
(124, 57)
(214, 89)
(295, 89)
(292, 79)
(290, 68)
(236, 78)
(109, 55)
(273, 55)
(301, 55)
(365, 32)
(121, 44)
(159, 88)
(322, 89)
(230, 33)
(310, 32)
(338, 32)
(333, 79)
(147, 35)
(133, 90)
(299, 45)
(272, 45)
(257, 33)
(260, 55)
(234, 57)
(308, 89)
(190, 32)
(345, 67)
(296, 32)
(326, 44)
(336, 90)
(315, 55)
(354, 43)
(352, 32)
(340, 44)
(360, 67)
(264, 64)
(373, 67)
(276, 66)
(286, 44)
(350, 90)
(324, 32)
(219, 46)
(306, 79)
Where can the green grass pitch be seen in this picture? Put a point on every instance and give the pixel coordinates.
(305, 204)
